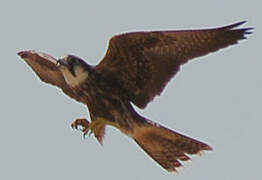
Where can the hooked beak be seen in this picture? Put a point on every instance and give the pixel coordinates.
(61, 62)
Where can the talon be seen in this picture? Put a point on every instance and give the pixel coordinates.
(84, 135)
(80, 122)
(85, 131)
(90, 133)
(74, 126)
(97, 127)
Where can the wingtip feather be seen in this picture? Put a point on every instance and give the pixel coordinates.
(25, 53)
(231, 26)
(22, 54)
(244, 30)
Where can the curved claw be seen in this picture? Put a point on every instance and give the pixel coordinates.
(84, 135)
(81, 122)
(97, 127)
(90, 133)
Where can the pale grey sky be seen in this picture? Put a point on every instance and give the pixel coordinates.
(216, 98)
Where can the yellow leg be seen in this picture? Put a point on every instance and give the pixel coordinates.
(97, 127)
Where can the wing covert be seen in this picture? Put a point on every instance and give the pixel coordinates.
(142, 63)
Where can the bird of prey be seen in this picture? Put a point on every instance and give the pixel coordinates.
(136, 68)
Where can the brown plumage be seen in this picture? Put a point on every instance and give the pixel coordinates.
(136, 68)
(143, 62)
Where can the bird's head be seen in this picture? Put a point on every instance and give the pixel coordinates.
(74, 69)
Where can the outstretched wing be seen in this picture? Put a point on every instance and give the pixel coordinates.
(143, 62)
(45, 67)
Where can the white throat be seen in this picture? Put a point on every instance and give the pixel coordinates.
(74, 81)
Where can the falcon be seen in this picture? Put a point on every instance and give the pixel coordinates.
(135, 69)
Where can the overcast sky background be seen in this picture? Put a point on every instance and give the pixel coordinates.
(216, 98)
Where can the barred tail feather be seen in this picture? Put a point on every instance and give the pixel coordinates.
(165, 146)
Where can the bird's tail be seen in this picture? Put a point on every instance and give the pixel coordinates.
(165, 146)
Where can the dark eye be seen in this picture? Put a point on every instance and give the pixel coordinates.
(70, 60)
